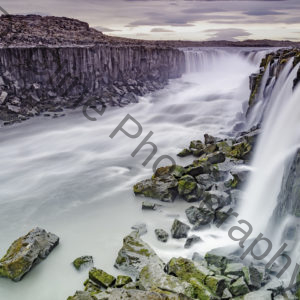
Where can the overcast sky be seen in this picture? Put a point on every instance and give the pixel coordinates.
(180, 20)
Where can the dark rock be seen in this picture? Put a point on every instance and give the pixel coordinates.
(185, 152)
(216, 158)
(191, 241)
(253, 277)
(200, 216)
(208, 139)
(239, 288)
(161, 235)
(26, 252)
(216, 260)
(206, 181)
(163, 188)
(179, 230)
(217, 284)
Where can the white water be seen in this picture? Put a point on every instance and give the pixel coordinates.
(68, 176)
(278, 142)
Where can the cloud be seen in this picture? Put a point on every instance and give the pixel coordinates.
(104, 29)
(228, 34)
(161, 30)
(260, 12)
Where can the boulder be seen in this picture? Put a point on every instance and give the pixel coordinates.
(206, 181)
(209, 139)
(122, 280)
(179, 229)
(193, 273)
(186, 185)
(163, 188)
(217, 284)
(101, 278)
(152, 276)
(196, 144)
(83, 261)
(239, 287)
(191, 241)
(185, 152)
(199, 216)
(135, 255)
(187, 269)
(234, 269)
(217, 260)
(253, 277)
(226, 294)
(161, 235)
(216, 158)
(26, 252)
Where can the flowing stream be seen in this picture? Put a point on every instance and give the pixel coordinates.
(67, 176)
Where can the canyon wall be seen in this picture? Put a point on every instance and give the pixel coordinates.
(38, 79)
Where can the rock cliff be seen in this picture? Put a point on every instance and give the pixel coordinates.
(66, 63)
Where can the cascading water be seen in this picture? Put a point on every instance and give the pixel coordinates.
(75, 181)
(277, 145)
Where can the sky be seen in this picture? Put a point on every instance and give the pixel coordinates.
(176, 19)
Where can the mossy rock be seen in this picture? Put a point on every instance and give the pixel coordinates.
(234, 269)
(185, 152)
(91, 287)
(122, 280)
(186, 269)
(201, 291)
(82, 262)
(186, 185)
(153, 277)
(240, 150)
(196, 144)
(135, 255)
(26, 252)
(239, 288)
(216, 260)
(217, 284)
(163, 188)
(101, 277)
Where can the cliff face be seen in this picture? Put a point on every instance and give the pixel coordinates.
(40, 78)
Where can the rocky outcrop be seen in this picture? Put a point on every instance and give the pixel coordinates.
(262, 83)
(26, 252)
(73, 64)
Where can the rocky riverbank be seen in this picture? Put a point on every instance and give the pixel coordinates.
(49, 64)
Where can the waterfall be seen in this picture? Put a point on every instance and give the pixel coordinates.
(277, 145)
(198, 59)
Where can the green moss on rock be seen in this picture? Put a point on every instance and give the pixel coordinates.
(82, 261)
(101, 277)
(122, 280)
